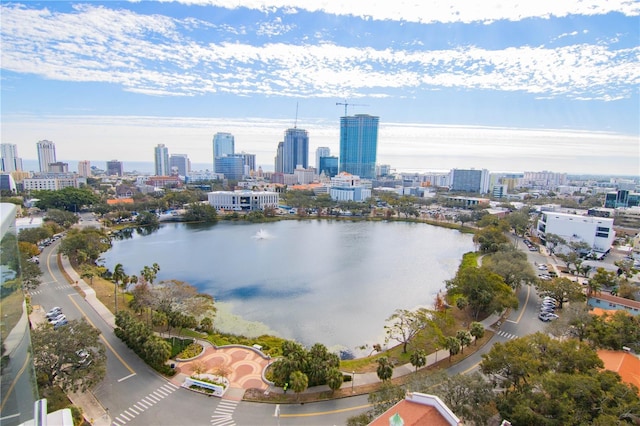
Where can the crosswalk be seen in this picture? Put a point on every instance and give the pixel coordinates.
(144, 404)
(506, 335)
(224, 412)
(39, 289)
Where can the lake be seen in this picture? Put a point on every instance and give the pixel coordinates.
(327, 281)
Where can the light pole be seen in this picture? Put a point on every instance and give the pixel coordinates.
(436, 354)
(353, 380)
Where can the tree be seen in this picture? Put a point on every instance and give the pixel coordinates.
(470, 396)
(206, 324)
(59, 361)
(519, 221)
(299, 382)
(149, 273)
(156, 351)
(404, 325)
(477, 331)
(485, 290)
(464, 338)
(490, 239)
(384, 369)
(69, 198)
(147, 219)
(561, 289)
(512, 265)
(626, 268)
(418, 358)
(553, 241)
(334, 379)
(512, 364)
(34, 235)
(199, 212)
(602, 279)
(574, 322)
(61, 217)
(87, 244)
(452, 345)
(117, 276)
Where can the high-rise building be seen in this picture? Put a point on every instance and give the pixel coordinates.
(58, 167)
(359, 145)
(249, 161)
(84, 168)
(470, 180)
(46, 154)
(231, 166)
(162, 160)
(179, 164)
(295, 150)
(9, 159)
(328, 166)
(223, 144)
(279, 158)
(114, 168)
(321, 151)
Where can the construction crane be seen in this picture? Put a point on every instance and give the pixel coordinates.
(345, 105)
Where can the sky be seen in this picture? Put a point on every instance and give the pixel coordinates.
(506, 86)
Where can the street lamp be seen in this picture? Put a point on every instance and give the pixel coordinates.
(436, 354)
(353, 380)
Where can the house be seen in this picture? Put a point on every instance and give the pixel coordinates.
(609, 302)
(418, 409)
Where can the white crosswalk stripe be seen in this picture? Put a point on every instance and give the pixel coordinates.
(507, 335)
(143, 404)
(223, 414)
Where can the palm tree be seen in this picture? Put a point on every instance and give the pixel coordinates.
(477, 331)
(593, 287)
(418, 359)
(385, 369)
(299, 382)
(452, 345)
(117, 276)
(464, 338)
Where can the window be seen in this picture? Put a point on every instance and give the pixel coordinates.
(602, 234)
(602, 229)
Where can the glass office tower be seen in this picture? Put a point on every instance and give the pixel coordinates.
(359, 145)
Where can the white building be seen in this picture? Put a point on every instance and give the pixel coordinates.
(304, 176)
(596, 231)
(243, 200)
(51, 183)
(347, 187)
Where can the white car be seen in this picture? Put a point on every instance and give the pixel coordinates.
(54, 312)
(545, 316)
(58, 319)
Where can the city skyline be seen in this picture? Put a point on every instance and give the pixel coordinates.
(552, 86)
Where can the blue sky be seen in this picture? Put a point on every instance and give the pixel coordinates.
(544, 85)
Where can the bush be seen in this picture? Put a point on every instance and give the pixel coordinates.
(193, 350)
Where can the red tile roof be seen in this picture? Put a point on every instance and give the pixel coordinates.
(623, 363)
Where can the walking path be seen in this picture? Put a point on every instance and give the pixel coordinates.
(245, 366)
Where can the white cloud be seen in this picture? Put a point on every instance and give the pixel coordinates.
(154, 54)
(439, 10)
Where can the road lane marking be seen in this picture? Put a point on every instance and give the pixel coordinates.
(101, 335)
(526, 301)
(324, 413)
(126, 377)
(473, 367)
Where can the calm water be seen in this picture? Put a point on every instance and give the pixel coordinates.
(313, 281)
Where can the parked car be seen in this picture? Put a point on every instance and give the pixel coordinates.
(57, 319)
(54, 312)
(547, 316)
(60, 323)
